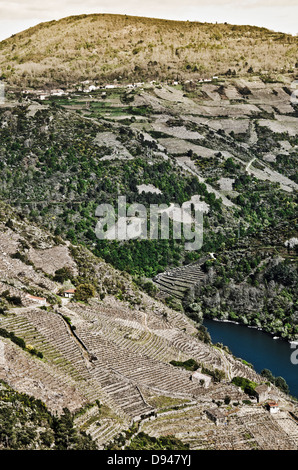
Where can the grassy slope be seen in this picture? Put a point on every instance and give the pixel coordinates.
(113, 46)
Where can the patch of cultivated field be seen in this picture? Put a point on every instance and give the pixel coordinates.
(269, 157)
(273, 176)
(108, 139)
(228, 110)
(177, 131)
(281, 124)
(187, 164)
(196, 119)
(226, 184)
(33, 108)
(181, 146)
(232, 93)
(171, 94)
(148, 188)
(283, 108)
(285, 145)
(146, 98)
(238, 126)
(267, 108)
(212, 92)
(51, 259)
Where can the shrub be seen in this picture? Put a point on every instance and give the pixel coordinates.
(63, 274)
(84, 292)
(246, 385)
(144, 441)
(20, 342)
(190, 364)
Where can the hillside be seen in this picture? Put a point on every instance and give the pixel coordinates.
(108, 360)
(26, 423)
(107, 47)
(62, 156)
(101, 341)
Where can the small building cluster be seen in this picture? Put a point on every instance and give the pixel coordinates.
(87, 87)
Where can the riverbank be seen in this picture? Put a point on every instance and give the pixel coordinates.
(258, 348)
(274, 337)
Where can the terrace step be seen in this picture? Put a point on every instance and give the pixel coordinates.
(177, 281)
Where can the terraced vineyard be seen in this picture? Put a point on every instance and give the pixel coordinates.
(246, 429)
(177, 281)
(108, 361)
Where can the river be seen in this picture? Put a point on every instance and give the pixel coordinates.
(258, 348)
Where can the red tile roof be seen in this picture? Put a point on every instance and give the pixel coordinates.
(35, 298)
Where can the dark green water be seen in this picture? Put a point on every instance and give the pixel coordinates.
(258, 348)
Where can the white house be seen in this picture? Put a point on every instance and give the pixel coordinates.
(58, 92)
(273, 407)
(91, 88)
(69, 293)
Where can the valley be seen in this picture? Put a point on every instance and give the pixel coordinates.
(102, 342)
(86, 148)
(109, 361)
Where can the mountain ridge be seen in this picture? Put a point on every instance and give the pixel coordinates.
(107, 47)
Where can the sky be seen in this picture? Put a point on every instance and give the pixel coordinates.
(278, 15)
